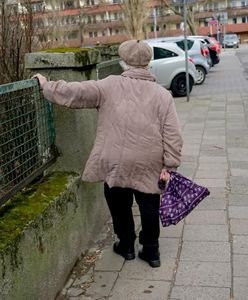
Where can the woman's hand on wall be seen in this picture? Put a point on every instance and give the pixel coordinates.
(42, 79)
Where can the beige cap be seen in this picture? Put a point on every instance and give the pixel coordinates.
(135, 53)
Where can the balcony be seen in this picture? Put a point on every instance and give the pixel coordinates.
(104, 24)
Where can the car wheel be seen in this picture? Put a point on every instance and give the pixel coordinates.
(201, 74)
(178, 85)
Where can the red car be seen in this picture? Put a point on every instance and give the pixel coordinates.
(215, 45)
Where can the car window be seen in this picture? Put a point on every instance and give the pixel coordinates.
(160, 53)
(180, 44)
(230, 37)
(203, 42)
(207, 41)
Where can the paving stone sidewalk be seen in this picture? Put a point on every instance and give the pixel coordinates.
(205, 257)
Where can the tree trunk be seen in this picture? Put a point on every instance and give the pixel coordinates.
(136, 12)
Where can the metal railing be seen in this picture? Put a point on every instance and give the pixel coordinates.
(26, 136)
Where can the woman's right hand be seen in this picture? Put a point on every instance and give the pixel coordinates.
(42, 79)
(165, 175)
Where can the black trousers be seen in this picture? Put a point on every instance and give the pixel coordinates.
(120, 201)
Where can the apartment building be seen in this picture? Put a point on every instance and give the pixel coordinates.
(232, 15)
(89, 22)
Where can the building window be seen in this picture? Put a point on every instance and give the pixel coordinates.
(93, 34)
(71, 20)
(38, 23)
(202, 22)
(234, 3)
(72, 35)
(68, 4)
(234, 20)
(244, 19)
(179, 8)
(39, 6)
(216, 6)
(117, 31)
(152, 28)
(178, 26)
(42, 38)
(50, 21)
(88, 19)
(90, 2)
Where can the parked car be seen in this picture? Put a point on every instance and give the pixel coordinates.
(197, 51)
(168, 66)
(214, 57)
(230, 41)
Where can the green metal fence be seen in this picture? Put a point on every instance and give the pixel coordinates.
(26, 136)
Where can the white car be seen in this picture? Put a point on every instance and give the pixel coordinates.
(168, 66)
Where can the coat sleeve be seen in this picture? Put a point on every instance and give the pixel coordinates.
(84, 94)
(172, 139)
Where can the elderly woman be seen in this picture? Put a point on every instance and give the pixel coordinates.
(137, 141)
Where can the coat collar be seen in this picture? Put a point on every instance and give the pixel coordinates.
(139, 73)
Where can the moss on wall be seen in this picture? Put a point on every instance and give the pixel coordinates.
(66, 49)
(26, 206)
(106, 52)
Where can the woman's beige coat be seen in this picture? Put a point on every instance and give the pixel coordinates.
(138, 131)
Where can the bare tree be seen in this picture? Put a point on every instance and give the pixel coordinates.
(16, 34)
(136, 12)
(190, 14)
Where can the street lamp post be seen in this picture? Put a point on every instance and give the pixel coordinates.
(184, 3)
(155, 22)
(186, 48)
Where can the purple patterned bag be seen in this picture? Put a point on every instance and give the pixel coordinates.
(179, 198)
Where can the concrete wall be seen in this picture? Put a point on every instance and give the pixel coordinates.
(75, 129)
(46, 254)
(36, 264)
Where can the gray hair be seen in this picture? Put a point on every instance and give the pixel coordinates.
(124, 65)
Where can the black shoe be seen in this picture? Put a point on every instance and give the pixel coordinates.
(127, 253)
(152, 260)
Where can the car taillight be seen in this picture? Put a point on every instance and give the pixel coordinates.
(204, 52)
(191, 60)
